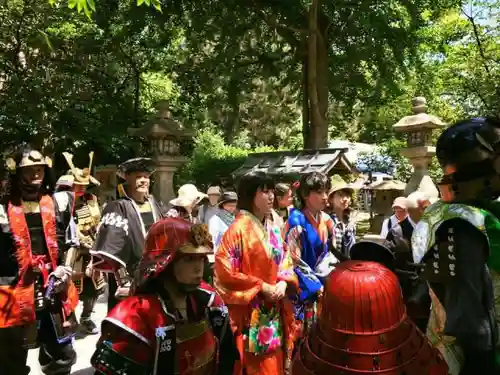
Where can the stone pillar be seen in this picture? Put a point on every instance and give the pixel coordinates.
(164, 177)
(419, 151)
(164, 135)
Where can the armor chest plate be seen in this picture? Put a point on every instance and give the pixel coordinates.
(88, 216)
(196, 349)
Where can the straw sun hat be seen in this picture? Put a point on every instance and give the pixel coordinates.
(188, 196)
(338, 183)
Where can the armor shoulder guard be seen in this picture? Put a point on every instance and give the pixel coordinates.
(424, 235)
(107, 360)
(135, 315)
(211, 299)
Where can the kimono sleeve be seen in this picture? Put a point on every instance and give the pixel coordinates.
(234, 286)
(112, 235)
(309, 283)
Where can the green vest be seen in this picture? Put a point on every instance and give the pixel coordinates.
(424, 235)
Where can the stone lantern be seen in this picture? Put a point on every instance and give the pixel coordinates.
(419, 150)
(164, 136)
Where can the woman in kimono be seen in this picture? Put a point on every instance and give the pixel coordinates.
(308, 234)
(340, 200)
(254, 275)
(283, 201)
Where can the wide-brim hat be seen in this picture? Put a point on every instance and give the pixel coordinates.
(374, 252)
(214, 190)
(228, 196)
(337, 184)
(188, 196)
(136, 165)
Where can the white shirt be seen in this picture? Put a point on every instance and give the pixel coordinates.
(387, 225)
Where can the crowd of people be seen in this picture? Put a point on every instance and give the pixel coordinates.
(266, 279)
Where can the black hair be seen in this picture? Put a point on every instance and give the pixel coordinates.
(248, 187)
(311, 182)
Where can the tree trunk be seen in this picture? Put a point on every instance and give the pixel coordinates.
(317, 83)
(305, 105)
(233, 117)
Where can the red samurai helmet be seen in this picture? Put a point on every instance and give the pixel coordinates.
(364, 329)
(167, 239)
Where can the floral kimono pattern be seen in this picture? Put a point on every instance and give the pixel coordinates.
(249, 254)
(307, 240)
(424, 237)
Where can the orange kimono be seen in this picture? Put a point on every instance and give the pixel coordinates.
(251, 253)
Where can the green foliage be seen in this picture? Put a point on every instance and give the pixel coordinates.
(213, 161)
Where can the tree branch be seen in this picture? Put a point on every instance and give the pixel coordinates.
(478, 41)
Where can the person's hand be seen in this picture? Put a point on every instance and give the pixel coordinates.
(268, 291)
(62, 276)
(280, 290)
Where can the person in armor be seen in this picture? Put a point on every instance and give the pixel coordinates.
(456, 242)
(364, 329)
(174, 323)
(124, 224)
(89, 283)
(37, 297)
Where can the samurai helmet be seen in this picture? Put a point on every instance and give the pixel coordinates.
(81, 176)
(167, 239)
(364, 329)
(469, 152)
(29, 157)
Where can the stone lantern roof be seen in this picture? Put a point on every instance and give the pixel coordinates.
(162, 125)
(420, 119)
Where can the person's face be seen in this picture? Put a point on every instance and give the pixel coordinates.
(286, 200)
(445, 189)
(316, 200)
(33, 175)
(400, 213)
(79, 189)
(230, 207)
(340, 200)
(139, 181)
(213, 198)
(263, 201)
(188, 269)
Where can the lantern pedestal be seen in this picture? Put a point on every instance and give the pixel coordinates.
(164, 136)
(419, 152)
(164, 177)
